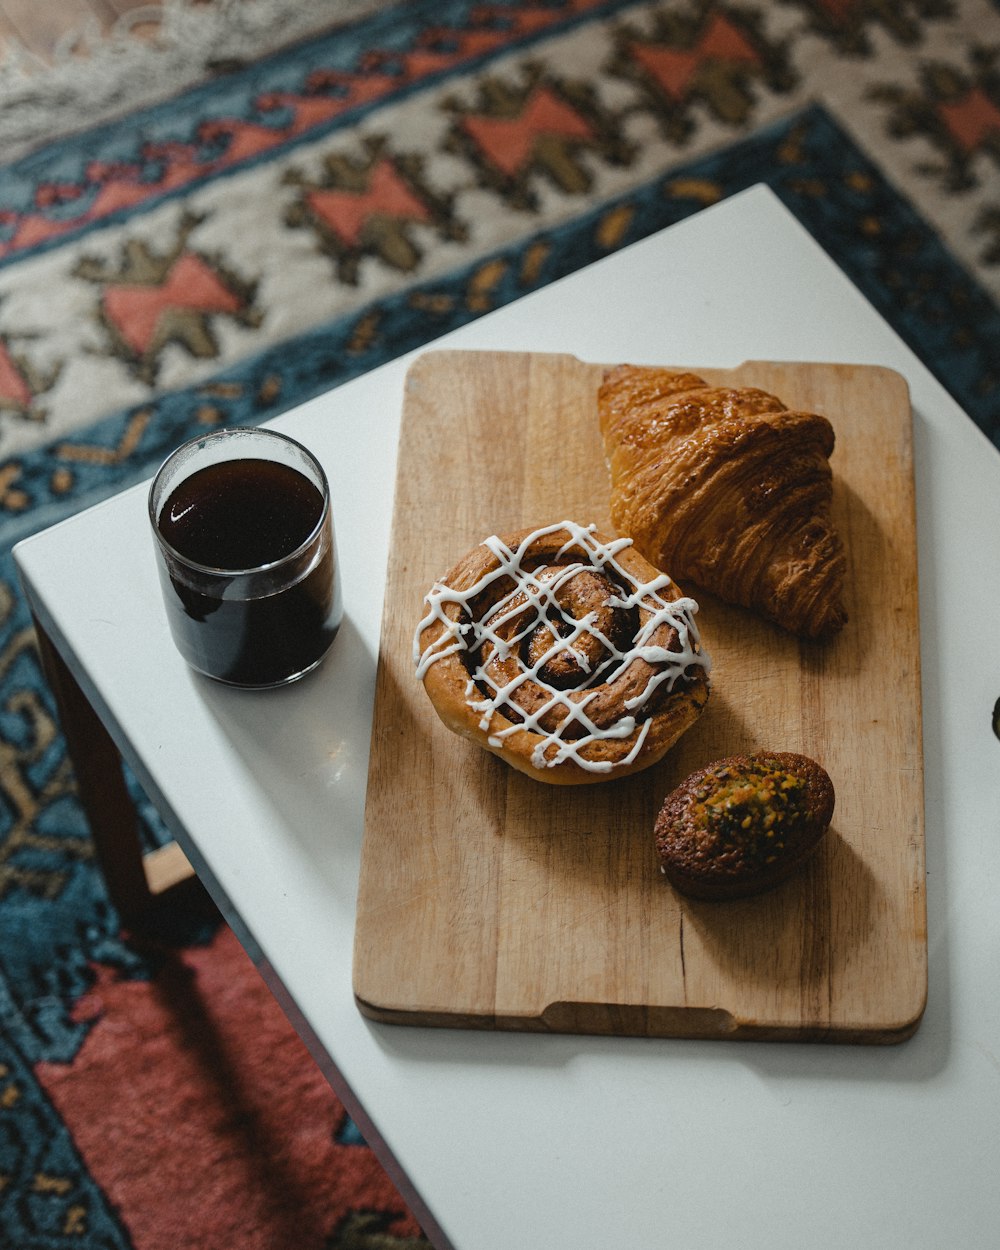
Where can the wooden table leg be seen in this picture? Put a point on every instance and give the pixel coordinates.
(138, 885)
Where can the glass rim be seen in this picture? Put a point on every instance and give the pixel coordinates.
(224, 432)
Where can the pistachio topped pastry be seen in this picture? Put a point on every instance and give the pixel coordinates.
(743, 824)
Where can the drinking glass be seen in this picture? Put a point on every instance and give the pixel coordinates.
(246, 556)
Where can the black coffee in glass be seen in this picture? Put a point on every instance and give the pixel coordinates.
(246, 556)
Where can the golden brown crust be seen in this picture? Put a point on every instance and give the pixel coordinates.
(728, 489)
(550, 722)
(744, 824)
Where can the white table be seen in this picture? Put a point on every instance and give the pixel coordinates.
(521, 1140)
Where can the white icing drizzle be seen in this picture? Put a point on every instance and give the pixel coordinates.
(531, 597)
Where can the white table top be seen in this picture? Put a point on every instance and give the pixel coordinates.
(565, 1141)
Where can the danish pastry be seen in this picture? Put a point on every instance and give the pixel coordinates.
(564, 652)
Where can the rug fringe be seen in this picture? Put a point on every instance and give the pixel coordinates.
(96, 75)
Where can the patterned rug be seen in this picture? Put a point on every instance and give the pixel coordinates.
(288, 222)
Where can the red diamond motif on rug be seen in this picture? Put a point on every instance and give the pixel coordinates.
(14, 389)
(509, 143)
(136, 310)
(972, 119)
(387, 195)
(675, 69)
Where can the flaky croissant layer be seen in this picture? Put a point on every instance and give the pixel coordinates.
(728, 489)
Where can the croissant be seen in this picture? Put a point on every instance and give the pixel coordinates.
(563, 652)
(729, 490)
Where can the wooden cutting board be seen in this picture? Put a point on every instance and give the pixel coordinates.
(490, 900)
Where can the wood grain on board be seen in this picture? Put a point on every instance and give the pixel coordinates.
(490, 900)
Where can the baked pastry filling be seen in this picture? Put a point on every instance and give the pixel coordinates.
(564, 642)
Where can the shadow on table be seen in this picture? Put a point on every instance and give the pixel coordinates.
(306, 752)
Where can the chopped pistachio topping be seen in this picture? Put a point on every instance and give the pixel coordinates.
(753, 807)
